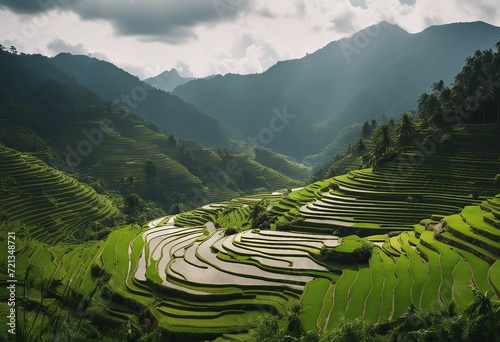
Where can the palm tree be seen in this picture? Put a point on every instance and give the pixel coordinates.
(481, 305)
(485, 92)
(382, 140)
(429, 106)
(423, 107)
(438, 88)
(405, 131)
(484, 317)
(411, 321)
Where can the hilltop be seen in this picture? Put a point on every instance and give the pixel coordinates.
(168, 80)
(379, 71)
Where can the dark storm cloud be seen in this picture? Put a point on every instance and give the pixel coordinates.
(171, 20)
(35, 6)
(21, 6)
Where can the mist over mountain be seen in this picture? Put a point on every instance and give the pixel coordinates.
(378, 71)
(46, 113)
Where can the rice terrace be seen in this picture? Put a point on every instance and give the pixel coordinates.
(122, 225)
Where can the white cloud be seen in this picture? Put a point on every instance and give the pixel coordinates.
(148, 36)
(58, 45)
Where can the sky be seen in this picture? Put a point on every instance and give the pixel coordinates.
(206, 37)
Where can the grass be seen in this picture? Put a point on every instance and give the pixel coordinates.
(314, 303)
(340, 295)
(50, 205)
(202, 282)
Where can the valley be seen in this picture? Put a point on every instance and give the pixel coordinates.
(161, 221)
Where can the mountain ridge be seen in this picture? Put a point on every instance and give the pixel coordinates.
(347, 81)
(128, 93)
(167, 80)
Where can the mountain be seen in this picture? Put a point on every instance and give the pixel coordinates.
(167, 80)
(378, 71)
(127, 93)
(45, 113)
(401, 239)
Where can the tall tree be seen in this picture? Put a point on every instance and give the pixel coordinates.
(423, 107)
(438, 88)
(133, 204)
(405, 131)
(382, 140)
(366, 130)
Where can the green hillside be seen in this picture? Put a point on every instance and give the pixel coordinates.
(281, 164)
(210, 282)
(337, 86)
(169, 112)
(413, 187)
(73, 130)
(46, 204)
(397, 240)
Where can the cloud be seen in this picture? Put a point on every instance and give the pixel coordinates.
(23, 6)
(171, 21)
(361, 3)
(265, 12)
(344, 22)
(408, 2)
(248, 54)
(58, 45)
(300, 9)
(184, 69)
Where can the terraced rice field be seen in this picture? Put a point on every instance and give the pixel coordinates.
(198, 280)
(413, 187)
(51, 205)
